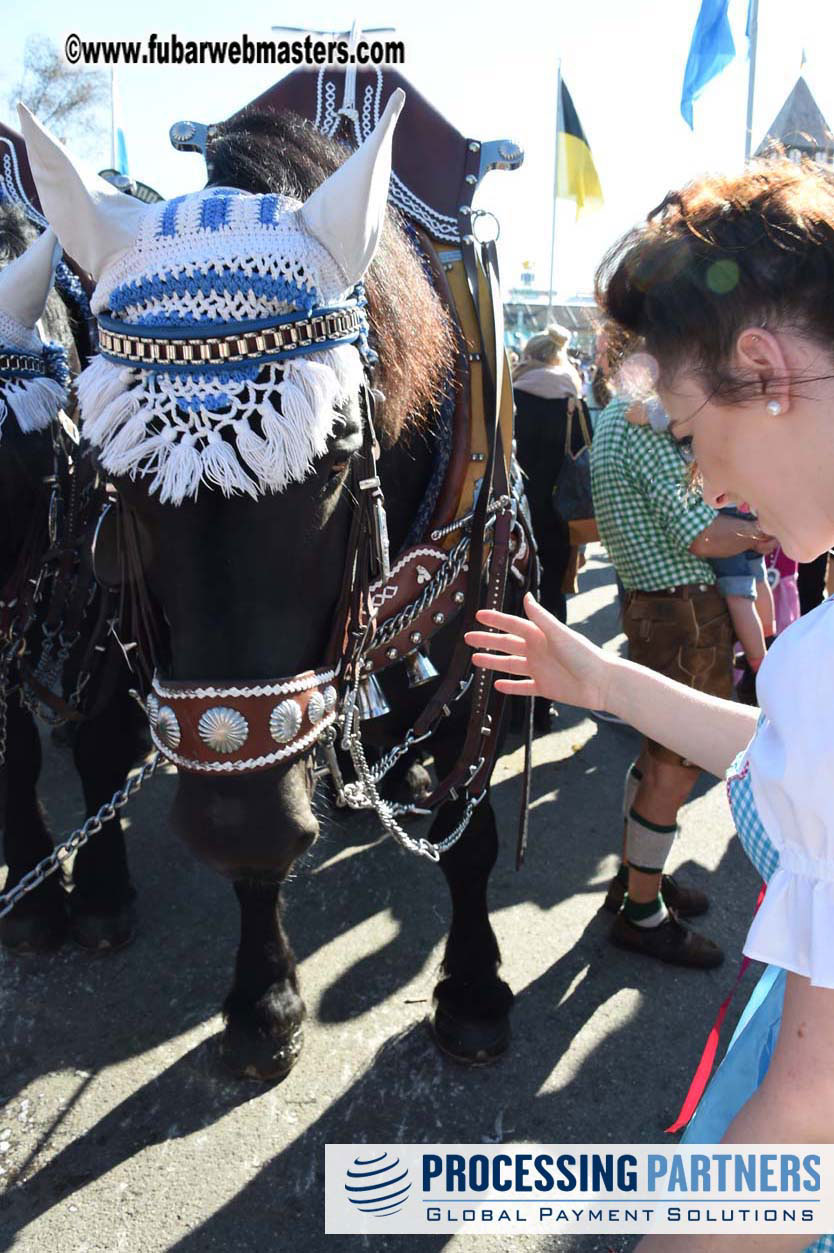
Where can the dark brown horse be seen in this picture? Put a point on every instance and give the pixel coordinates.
(45, 490)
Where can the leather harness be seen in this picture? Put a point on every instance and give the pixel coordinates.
(214, 726)
(219, 727)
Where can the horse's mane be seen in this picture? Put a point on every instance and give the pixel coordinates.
(16, 234)
(411, 330)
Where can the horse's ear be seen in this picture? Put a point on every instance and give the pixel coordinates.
(94, 221)
(347, 211)
(25, 282)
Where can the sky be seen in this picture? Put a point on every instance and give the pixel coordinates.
(490, 68)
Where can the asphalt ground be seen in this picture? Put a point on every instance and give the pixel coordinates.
(119, 1131)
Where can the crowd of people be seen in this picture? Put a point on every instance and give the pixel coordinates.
(713, 449)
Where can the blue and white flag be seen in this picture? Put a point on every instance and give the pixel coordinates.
(711, 51)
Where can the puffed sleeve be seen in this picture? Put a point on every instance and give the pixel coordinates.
(792, 778)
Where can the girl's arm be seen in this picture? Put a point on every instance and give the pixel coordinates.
(705, 729)
(561, 665)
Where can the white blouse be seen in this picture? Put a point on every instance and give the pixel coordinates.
(792, 777)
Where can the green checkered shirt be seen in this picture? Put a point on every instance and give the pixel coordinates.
(646, 517)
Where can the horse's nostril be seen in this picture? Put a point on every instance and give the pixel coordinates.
(227, 811)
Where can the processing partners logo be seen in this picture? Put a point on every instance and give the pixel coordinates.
(377, 1184)
(580, 1189)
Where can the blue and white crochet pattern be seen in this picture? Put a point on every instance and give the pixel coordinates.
(35, 400)
(210, 263)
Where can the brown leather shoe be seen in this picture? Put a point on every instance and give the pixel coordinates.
(673, 942)
(688, 902)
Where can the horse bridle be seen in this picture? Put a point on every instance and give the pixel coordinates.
(234, 728)
(212, 727)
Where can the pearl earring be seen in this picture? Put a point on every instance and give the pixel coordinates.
(774, 408)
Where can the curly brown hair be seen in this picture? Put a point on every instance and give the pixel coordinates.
(724, 253)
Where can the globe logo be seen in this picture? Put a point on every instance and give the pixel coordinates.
(378, 1185)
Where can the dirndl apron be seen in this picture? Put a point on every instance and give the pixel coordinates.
(749, 1052)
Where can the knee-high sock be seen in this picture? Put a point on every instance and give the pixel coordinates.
(633, 779)
(647, 847)
(647, 843)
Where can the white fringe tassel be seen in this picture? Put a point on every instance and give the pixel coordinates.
(143, 425)
(34, 402)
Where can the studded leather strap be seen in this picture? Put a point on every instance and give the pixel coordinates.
(230, 728)
(328, 328)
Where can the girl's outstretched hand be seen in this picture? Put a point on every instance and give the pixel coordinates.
(556, 662)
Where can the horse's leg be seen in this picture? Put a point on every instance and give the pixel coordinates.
(39, 921)
(472, 1004)
(105, 748)
(264, 1010)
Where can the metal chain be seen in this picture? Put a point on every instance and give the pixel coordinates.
(447, 573)
(78, 838)
(389, 759)
(363, 794)
(463, 520)
(369, 798)
(452, 838)
(422, 847)
(441, 580)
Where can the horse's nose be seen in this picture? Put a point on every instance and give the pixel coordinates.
(252, 828)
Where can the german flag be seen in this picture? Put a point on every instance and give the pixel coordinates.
(576, 174)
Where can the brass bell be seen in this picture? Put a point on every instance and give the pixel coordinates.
(419, 668)
(370, 699)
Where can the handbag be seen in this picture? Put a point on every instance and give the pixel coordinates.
(572, 490)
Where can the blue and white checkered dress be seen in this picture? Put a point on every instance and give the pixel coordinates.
(756, 842)
(748, 1055)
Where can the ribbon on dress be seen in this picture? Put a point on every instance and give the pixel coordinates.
(705, 1066)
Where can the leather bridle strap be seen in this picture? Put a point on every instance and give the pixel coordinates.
(354, 611)
(494, 473)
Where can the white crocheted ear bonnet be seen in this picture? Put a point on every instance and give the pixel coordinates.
(212, 266)
(33, 375)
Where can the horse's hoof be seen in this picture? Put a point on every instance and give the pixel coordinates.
(260, 1058)
(474, 1041)
(99, 932)
(26, 933)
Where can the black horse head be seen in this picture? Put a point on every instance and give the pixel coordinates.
(245, 565)
(25, 447)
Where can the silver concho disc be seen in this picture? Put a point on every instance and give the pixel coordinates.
(167, 728)
(152, 708)
(181, 132)
(223, 729)
(315, 707)
(285, 721)
(330, 697)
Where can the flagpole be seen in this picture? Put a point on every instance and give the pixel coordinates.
(555, 189)
(113, 165)
(751, 81)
